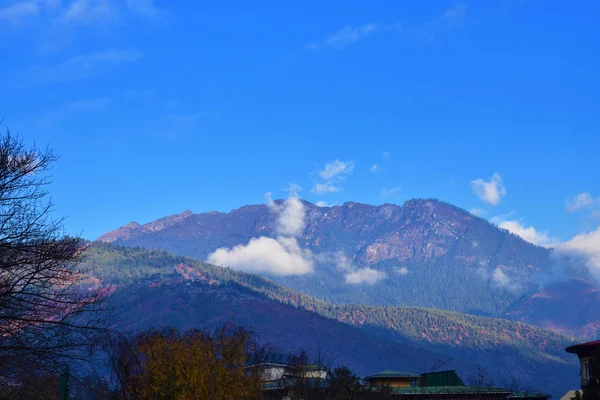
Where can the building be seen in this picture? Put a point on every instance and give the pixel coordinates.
(440, 385)
(392, 379)
(279, 372)
(585, 352)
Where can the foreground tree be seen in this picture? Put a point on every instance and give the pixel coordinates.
(199, 364)
(46, 319)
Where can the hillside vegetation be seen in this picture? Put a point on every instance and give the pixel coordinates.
(158, 287)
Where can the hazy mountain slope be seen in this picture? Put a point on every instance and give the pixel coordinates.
(570, 306)
(155, 287)
(450, 257)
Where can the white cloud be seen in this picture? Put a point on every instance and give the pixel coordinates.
(529, 234)
(337, 258)
(322, 204)
(390, 192)
(344, 37)
(500, 278)
(291, 218)
(580, 201)
(500, 218)
(364, 275)
(374, 168)
(281, 256)
(336, 169)
(586, 245)
(492, 191)
(402, 271)
(321, 188)
(479, 212)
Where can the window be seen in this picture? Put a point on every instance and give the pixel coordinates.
(586, 369)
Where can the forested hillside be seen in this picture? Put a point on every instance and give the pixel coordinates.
(155, 287)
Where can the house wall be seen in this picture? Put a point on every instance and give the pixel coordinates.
(391, 382)
(582, 361)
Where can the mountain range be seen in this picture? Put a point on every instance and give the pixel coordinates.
(425, 253)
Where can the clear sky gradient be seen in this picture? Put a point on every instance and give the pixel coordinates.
(160, 107)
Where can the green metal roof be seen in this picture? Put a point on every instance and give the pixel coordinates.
(441, 378)
(388, 373)
(528, 395)
(448, 390)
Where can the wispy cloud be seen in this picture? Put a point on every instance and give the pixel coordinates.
(491, 191)
(17, 13)
(333, 173)
(336, 169)
(529, 233)
(365, 275)
(172, 104)
(321, 188)
(374, 168)
(479, 212)
(85, 66)
(580, 201)
(586, 245)
(74, 107)
(454, 13)
(344, 37)
(392, 192)
(61, 23)
(148, 11)
(500, 279)
(89, 11)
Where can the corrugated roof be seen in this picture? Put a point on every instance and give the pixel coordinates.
(448, 390)
(392, 374)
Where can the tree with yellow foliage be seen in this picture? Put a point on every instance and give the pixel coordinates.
(199, 364)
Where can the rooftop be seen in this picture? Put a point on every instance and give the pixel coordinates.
(392, 374)
(581, 346)
(449, 390)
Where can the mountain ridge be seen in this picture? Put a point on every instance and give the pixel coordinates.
(430, 253)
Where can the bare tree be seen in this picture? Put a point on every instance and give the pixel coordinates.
(440, 362)
(47, 318)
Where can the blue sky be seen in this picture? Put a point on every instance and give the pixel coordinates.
(157, 107)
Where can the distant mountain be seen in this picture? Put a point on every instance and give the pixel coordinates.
(155, 287)
(433, 254)
(569, 306)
